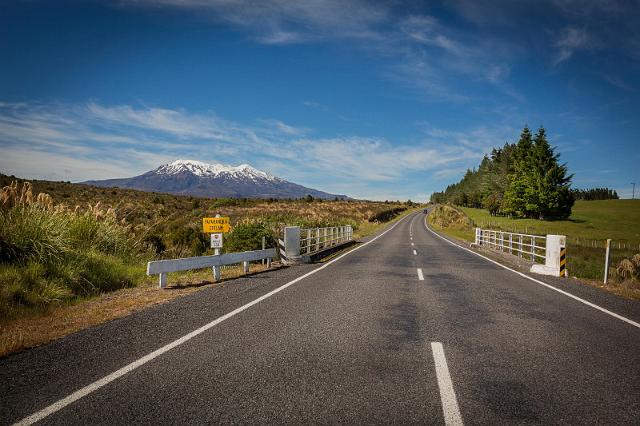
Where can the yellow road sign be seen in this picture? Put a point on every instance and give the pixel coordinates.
(212, 225)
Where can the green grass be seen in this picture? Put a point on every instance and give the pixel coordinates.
(590, 220)
(591, 223)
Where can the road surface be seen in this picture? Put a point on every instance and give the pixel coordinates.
(408, 328)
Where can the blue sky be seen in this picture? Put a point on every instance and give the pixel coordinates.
(378, 100)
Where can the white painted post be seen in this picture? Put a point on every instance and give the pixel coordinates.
(606, 261)
(325, 232)
(510, 243)
(163, 280)
(245, 267)
(520, 242)
(478, 236)
(292, 242)
(216, 269)
(268, 262)
(533, 248)
(317, 239)
(553, 251)
(264, 245)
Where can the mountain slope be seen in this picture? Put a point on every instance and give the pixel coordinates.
(189, 177)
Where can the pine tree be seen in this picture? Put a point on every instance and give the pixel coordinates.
(518, 195)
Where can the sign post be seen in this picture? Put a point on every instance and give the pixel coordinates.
(216, 226)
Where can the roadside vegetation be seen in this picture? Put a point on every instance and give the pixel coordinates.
(63, 244)
(591, 223)
(525, 179)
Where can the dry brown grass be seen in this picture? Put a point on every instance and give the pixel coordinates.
(42, 327)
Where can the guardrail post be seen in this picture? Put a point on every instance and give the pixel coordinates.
(163, 280)
(245, 267)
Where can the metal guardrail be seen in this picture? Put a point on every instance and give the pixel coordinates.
(524, 245)
(319, 239)
(162, 267)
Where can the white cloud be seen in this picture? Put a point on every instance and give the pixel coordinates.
(571, 40)
(94, 141)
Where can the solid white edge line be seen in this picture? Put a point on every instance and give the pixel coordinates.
(420, 276)
(80, 393)
(593, 305)
(450, 407)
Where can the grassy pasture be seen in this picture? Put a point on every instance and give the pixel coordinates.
(591, 223)
(590, 220)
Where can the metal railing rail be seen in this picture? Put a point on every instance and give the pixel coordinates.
(162, 267)
(524, 245)
(318, 239)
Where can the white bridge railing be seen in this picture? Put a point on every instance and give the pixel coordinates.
(523, 245)
(547, 253)
(319, 239)
(299, 244)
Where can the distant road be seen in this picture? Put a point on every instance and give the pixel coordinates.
(408, 328)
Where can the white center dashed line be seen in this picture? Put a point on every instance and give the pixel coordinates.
(415, 253)
(447, 395)
(420, 276)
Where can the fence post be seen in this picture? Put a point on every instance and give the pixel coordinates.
(533, 248)
(510, 243)
(520, 247)
(606, 261)
(216, 269)
(264, 244)
(478, 236)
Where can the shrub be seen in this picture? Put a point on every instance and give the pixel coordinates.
(387, 214)
(246, 237)
(49, 254)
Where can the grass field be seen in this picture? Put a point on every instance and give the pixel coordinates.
(590, 220)
(591, 223)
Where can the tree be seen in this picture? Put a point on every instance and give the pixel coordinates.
(522, 179)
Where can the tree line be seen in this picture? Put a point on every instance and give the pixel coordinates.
(523, 179)
(595, 194)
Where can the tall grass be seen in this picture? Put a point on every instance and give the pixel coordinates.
(51, 254)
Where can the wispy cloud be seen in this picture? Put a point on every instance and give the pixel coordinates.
(285, 22)
(404, 40)
(95, 141)
(571, 40)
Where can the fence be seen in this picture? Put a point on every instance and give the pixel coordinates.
(319, 239)
(547, 253)
(300, 244)
(531, 247)
(162, 267)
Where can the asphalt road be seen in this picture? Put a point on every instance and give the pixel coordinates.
(363, 339)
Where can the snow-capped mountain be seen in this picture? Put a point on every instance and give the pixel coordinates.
(190, 177)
